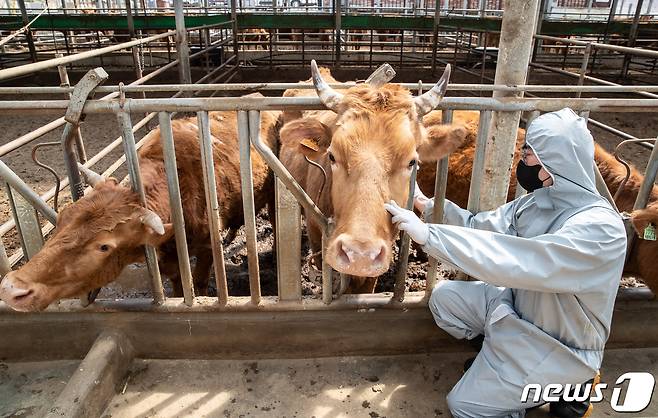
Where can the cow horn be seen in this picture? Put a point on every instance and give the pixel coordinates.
(329, 97)
(91, 177)
(153, 221)
(426, 102)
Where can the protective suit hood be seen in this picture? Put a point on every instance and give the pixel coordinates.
(565, 148)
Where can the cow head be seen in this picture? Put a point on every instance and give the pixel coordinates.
(96, 237)
(372, 143)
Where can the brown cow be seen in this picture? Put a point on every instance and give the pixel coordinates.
(97, 236)
(368, 143)
(459, 175)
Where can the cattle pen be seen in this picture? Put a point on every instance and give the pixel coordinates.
(277, 336)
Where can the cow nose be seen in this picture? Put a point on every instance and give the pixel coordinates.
(361, 257)
(14, 290)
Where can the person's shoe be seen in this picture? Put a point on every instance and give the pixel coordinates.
(575, 409)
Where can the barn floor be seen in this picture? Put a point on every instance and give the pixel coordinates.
(389, 386)
(395, 386)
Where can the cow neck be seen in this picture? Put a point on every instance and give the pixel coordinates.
(156, 191)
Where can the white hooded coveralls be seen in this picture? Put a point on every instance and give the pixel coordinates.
(549, 265)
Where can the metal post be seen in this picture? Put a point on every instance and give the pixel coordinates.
(513, 59)
(27, 223)
(632, 37)
(477, 174)
(248, 128)
(212, 205)
(234, 26)
(440, 186)
(132, 162)
(337, 23)
(405, 246)
(64, 82)
(182, 50)
(288, 243)
(28, 32)
(583, 67)
(176, 205)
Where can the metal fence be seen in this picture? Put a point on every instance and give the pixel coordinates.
(248, 115)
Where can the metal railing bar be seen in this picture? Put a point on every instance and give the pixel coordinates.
(132, 160)
(440, 187)
(314, 103)
(248, 132)
(137, 88)
(212, 206)
(176, 206)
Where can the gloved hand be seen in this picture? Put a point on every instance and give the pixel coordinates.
(420, 200)
(407, 221)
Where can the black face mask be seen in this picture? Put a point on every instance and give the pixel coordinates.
(528, 176)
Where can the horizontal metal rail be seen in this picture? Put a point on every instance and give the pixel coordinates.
(137, 88)
(314, 103)
(617, 48)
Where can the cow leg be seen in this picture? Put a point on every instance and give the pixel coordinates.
(202, 271)
(315, 241)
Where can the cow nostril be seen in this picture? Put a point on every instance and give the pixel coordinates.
(345, 254)
(380, 257)
(22, 296)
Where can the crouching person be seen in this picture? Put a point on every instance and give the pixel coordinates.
(548, 265)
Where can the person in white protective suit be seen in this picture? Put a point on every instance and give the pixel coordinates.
(548, 264)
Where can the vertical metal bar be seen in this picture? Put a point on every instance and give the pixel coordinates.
(632, 36)
(435, 33)
(28, 32)
(249, 127)
(181, 44)
(5, 265)
(288, 243)
(132, 163)
(234, 28)
(64, 82)
(477, 175)
(337, 27)
(405, 245)
(515, 50)
(27, 223)
(167, 138)
(440, 186)
(212, 205)
(327, 283)
(583, 67)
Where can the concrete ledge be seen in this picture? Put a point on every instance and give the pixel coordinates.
(94, 383)
(293, 334)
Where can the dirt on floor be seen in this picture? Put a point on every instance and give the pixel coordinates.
(99, 130)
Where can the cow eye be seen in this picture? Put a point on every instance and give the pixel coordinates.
(104, 248)
(332, 158)
(412, 163)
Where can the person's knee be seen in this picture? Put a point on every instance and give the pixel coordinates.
(442, 298)
(459, 408)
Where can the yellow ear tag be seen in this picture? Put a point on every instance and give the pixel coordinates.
(310, 143)
(650, 233)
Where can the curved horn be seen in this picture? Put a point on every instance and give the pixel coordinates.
(330, 97)
(153, 221)
(91, 177)
(431, 99)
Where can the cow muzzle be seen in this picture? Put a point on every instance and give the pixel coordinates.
(358, 256)
(18, 295)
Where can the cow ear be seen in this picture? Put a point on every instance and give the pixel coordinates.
(154, 239)
(309, 136)
(441, 140)
(641, 218)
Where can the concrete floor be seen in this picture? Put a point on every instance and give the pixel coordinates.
(397, 386)
(369, 387)
(25, 388)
